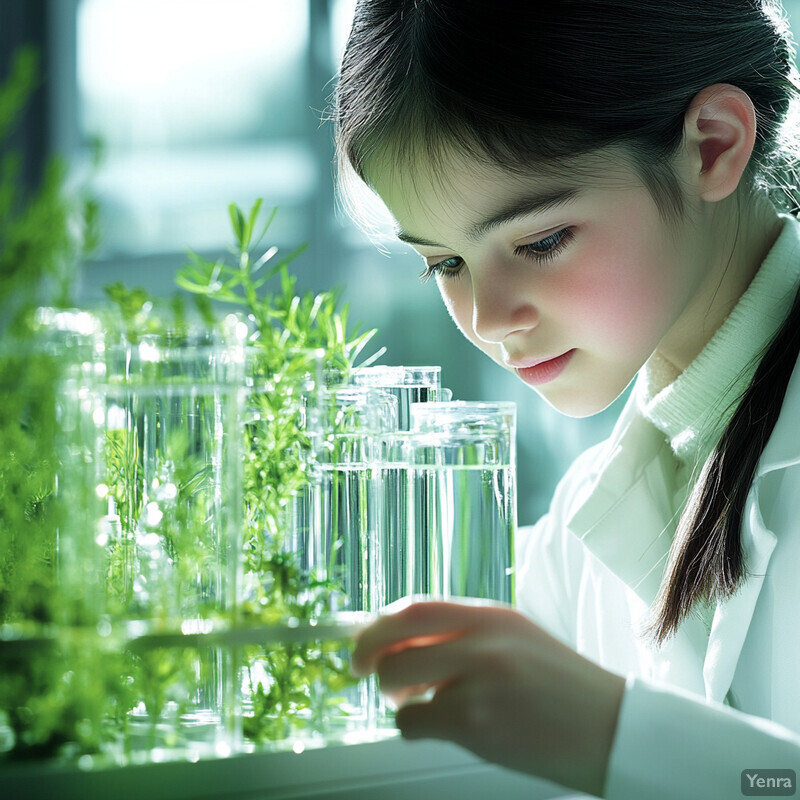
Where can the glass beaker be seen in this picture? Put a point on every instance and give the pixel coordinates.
(409, 384)
(290, 677)
(343, 538)
(347, 424)
(462, 460)
(174, 489)
(51, 426)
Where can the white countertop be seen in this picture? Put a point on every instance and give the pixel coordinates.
(392, 769)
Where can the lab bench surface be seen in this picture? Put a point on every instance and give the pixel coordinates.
(392, 769)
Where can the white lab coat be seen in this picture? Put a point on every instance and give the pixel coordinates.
(709, 704)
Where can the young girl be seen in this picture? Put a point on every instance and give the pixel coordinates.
(604, 190)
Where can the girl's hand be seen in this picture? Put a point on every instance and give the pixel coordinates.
(501, 687)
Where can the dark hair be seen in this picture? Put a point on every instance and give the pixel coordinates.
(524, 85)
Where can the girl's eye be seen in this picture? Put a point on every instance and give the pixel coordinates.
(548, 248)
(542, 250)
(447, 268)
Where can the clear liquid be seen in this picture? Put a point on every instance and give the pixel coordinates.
(174, 471)
(396, 562)
(184, 704)
(406, 395)
(348, 508)
(463, 531)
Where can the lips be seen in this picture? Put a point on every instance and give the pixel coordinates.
(536, 372)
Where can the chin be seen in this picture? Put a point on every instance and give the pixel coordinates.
(578, 404)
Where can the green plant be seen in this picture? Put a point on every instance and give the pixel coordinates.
(52, 690)
(302, 687)
(67, 686)
(37, 252)
(44, 231)
(296, 341)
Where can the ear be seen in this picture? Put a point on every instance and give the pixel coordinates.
(720, 131)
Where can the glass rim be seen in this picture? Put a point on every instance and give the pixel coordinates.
(462, 407)
(346, 391)
(149, 351)
(448, 415)
(396, 375)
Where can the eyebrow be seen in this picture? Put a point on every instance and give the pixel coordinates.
(522, 207)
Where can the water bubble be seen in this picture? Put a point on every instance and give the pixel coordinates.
(7, 736)
(153, 514)
(85, 763)
(168, 492)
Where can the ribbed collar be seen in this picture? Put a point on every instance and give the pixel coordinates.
(693, 408)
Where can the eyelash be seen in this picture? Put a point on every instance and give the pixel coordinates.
(542, 251)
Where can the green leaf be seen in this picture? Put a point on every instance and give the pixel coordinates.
(267, 224)
(249, 226)
(237, 222)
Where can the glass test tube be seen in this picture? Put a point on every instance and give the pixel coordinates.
(462, 472)
(351, 421)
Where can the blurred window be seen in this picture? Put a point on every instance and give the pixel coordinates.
(198, 103)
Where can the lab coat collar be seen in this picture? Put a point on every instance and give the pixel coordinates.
(627, 519)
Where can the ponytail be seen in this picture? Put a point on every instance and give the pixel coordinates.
(706, 560)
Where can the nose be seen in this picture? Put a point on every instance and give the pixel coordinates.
(501, 305)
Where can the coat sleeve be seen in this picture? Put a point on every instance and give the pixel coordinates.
(672, 745)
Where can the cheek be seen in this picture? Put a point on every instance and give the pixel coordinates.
(626, 295)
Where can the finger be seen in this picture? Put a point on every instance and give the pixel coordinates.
(419, 624)
(439, 718)
(428, 665)
(425, 622)
(419, 721)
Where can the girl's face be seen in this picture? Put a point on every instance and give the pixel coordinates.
(571, 283)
